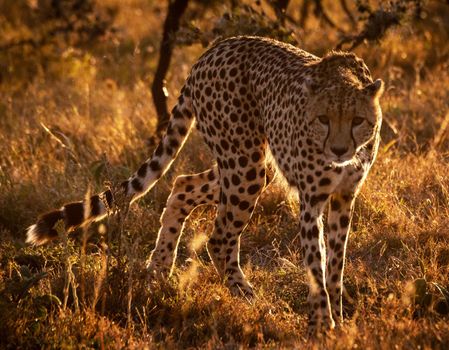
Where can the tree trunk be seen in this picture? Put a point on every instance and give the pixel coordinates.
(176, 9)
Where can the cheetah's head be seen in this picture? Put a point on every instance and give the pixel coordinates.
(343, 119)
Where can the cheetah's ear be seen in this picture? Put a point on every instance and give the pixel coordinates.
(375, 89)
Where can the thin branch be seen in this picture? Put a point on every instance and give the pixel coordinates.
(344, 6)
(319, 12)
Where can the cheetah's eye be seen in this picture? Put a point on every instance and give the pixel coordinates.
(357, 121)
(323, 119)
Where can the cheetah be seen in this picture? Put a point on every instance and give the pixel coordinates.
(320, 119)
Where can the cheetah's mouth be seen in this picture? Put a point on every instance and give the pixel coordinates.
(339, 162)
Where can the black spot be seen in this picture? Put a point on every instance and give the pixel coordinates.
(226, 182)
(307, 217)
(95, 206)
(169, 151)
(234, 199)
(334, 278)
(108, 195)
(325, 181)
(344, 221)
(238, 224)
(255, 157)
(135, 183)
(235, 180)
(205, 188)
(177, 114)
(73, 214)
(142, 170)
(224, 144)
(314, 200)
(253, 189)
(243, 205)
(159, 150)
(211, 176)
(189, 188)
(174, 143)
(310, 259)
(243, 161)
(315, 232)
(224, 199)
(182, 130)
(251, 174)
(335, 205)
(155, 166)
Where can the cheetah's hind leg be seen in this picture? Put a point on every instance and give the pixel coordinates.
(188, 193)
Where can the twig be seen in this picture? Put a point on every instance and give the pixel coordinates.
(131, 252)
(442, 132)
(344, 6)
(69, 149)
(84, 243)
(319, 12)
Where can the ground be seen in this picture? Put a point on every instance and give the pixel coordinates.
(86, 119)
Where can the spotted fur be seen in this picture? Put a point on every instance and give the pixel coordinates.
(319, 117)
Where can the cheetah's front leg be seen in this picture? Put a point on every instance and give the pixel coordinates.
(339, 221)
(312, 242)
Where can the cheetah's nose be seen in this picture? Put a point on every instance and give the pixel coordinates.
(339, 151)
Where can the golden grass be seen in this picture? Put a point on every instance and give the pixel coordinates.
(97, 103)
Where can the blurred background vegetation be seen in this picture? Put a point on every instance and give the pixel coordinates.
(84, 90)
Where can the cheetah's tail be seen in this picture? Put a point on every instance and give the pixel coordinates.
(75, 214)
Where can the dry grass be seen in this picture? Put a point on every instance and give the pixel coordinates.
(97, 104)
